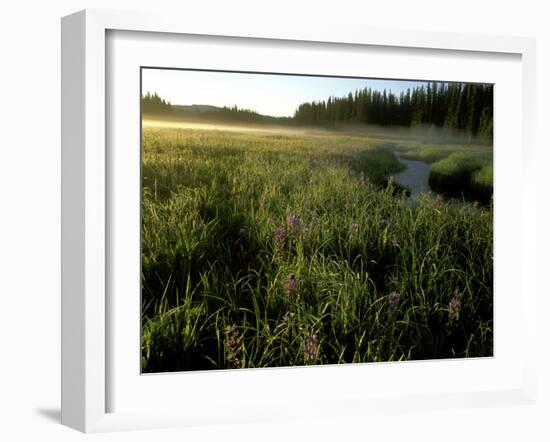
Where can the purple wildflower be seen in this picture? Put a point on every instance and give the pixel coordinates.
(311, 348)
(393, 300)
(291, 286)
(454, 307)
(279, 235)
(288, 318)
(232, 345)
(293, 222)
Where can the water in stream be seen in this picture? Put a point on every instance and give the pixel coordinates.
(415, 176)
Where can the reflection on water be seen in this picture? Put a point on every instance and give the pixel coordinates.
(415, 176)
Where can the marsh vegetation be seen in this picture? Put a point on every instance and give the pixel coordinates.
(263, 249)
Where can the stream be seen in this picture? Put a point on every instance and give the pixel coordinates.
(415, 176)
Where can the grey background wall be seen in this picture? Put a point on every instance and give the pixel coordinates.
(30, 213)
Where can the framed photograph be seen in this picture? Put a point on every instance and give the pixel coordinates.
(279, 223)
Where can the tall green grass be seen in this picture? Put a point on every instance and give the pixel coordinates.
(266, 250)
(428, 154)
(481, 182)
(464, 173)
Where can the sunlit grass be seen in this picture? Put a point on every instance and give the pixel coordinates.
(467, 173)
(428, 154)
(262, 250)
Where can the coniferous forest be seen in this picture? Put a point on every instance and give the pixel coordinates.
(455, 106)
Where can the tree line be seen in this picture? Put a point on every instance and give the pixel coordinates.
(152, 104)
(457, 107)
(229, 114)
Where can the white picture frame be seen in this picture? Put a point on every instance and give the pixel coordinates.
(86, 357)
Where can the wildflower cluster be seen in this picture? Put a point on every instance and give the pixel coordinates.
(288, 318)
(393, 300)
(293, 223)
(291, 287)
(454, 307)
(311, 348)
(232, 345)
(279, 235)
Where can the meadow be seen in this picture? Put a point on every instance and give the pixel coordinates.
(284, 248)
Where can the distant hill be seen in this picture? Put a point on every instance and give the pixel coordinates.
(196, 108)
(153, 105)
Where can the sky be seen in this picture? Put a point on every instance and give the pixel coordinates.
(268, 94)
